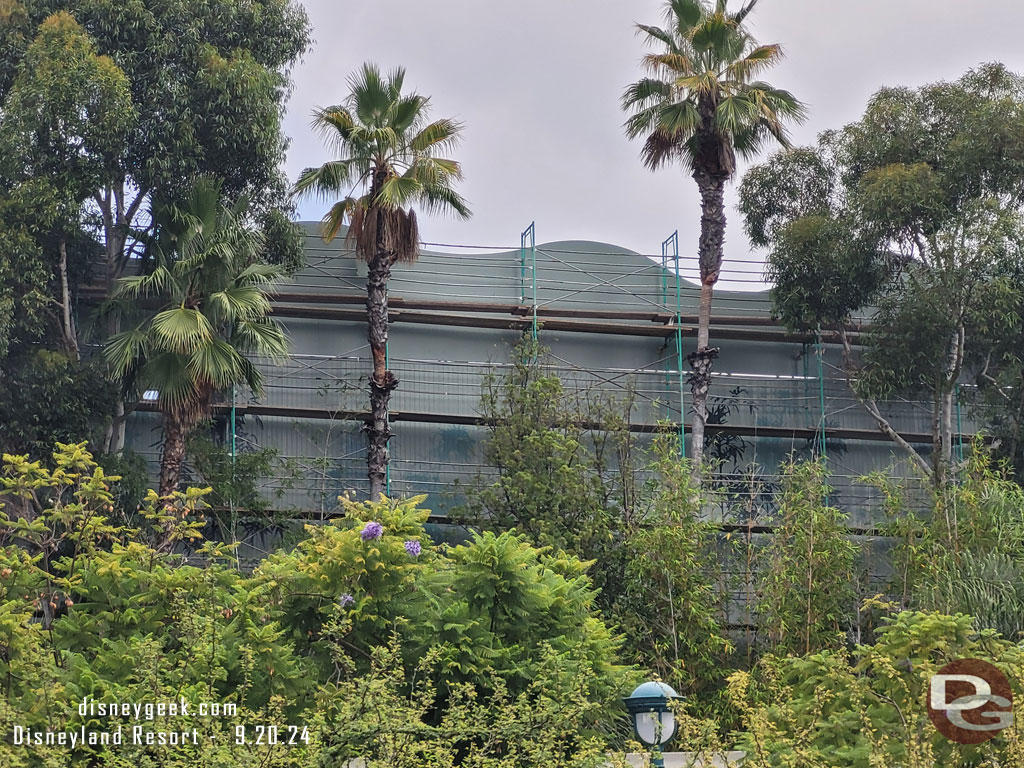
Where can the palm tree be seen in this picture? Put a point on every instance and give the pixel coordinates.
(701, 107)
(212, 303)
(389, 158)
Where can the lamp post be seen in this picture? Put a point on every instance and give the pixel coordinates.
(653, 721)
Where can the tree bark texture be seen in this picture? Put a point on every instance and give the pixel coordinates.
(70, 335)
(382, 381)
(711, 251)
(176, 428)
(943, 448)
(117, 220)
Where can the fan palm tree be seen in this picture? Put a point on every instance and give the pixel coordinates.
(212, 303)
(701, 106)
(389, 158)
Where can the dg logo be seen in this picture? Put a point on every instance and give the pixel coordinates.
(970, 701)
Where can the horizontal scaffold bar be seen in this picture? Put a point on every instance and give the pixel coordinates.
(572, 326)
(739, 328)
(799, 433)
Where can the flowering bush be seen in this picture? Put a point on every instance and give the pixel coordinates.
(90, 608)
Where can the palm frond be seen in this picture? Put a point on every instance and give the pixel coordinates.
(327, 180)
(263, 338)
(745, 10)
(123, 351)
(263, 275)
(669, 63)
(430, 171)
(660, 149)
(335, 124)
(395, 82)
(406, 112)
(646, 91)
(370, 94)
(714, 34)
(216, 362)
(203, 202)
(750, 140)
(734, 114)
(440, 134)
(159, 281)
(333, 220)
(252, 377)
(643, 121)
(685, 14)
(755, 62)
(782, 104)
(662, 36)
(680, 120)
(168, 373)
(443, 199)
(398, 192)
(240, 302)
(181, 329)
(705, 83)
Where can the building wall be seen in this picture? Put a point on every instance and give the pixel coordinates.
(763, 383)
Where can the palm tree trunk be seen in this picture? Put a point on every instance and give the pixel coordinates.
(711, 251)
(173, 457)
(382, 381)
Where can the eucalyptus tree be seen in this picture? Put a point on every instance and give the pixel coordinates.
(207, 84)
(390, 157)
(210, 315)
(67, 110)
(200, 88)
(915, 215)
(65, 107)
(701, 107)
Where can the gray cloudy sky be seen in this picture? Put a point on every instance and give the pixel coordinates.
(537, 84)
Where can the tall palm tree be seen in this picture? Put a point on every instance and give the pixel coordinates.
(701, 107)
(211, 314)
(389, 158)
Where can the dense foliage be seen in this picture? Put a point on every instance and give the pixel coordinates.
(381, 644)
(105, 106)
(869, 708)
(150, 133)
(912, 215)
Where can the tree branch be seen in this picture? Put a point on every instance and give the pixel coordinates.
(872, 408)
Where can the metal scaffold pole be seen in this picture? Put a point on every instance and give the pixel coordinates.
(234, 442)
(664, 307)
(959, 428)
(820, 348)
(821, 399)
(387, 468)
(529, 240)
(671, 247)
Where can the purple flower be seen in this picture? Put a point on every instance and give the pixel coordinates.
(346, 600)
(413, 547)
(372, 530)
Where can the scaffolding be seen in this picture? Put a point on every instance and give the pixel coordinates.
(613, 320)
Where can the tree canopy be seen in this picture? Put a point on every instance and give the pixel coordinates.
(912, 215)
(106, 106)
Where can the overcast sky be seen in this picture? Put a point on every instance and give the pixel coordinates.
(537, 84)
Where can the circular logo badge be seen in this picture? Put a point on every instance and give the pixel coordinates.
(970, 701)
